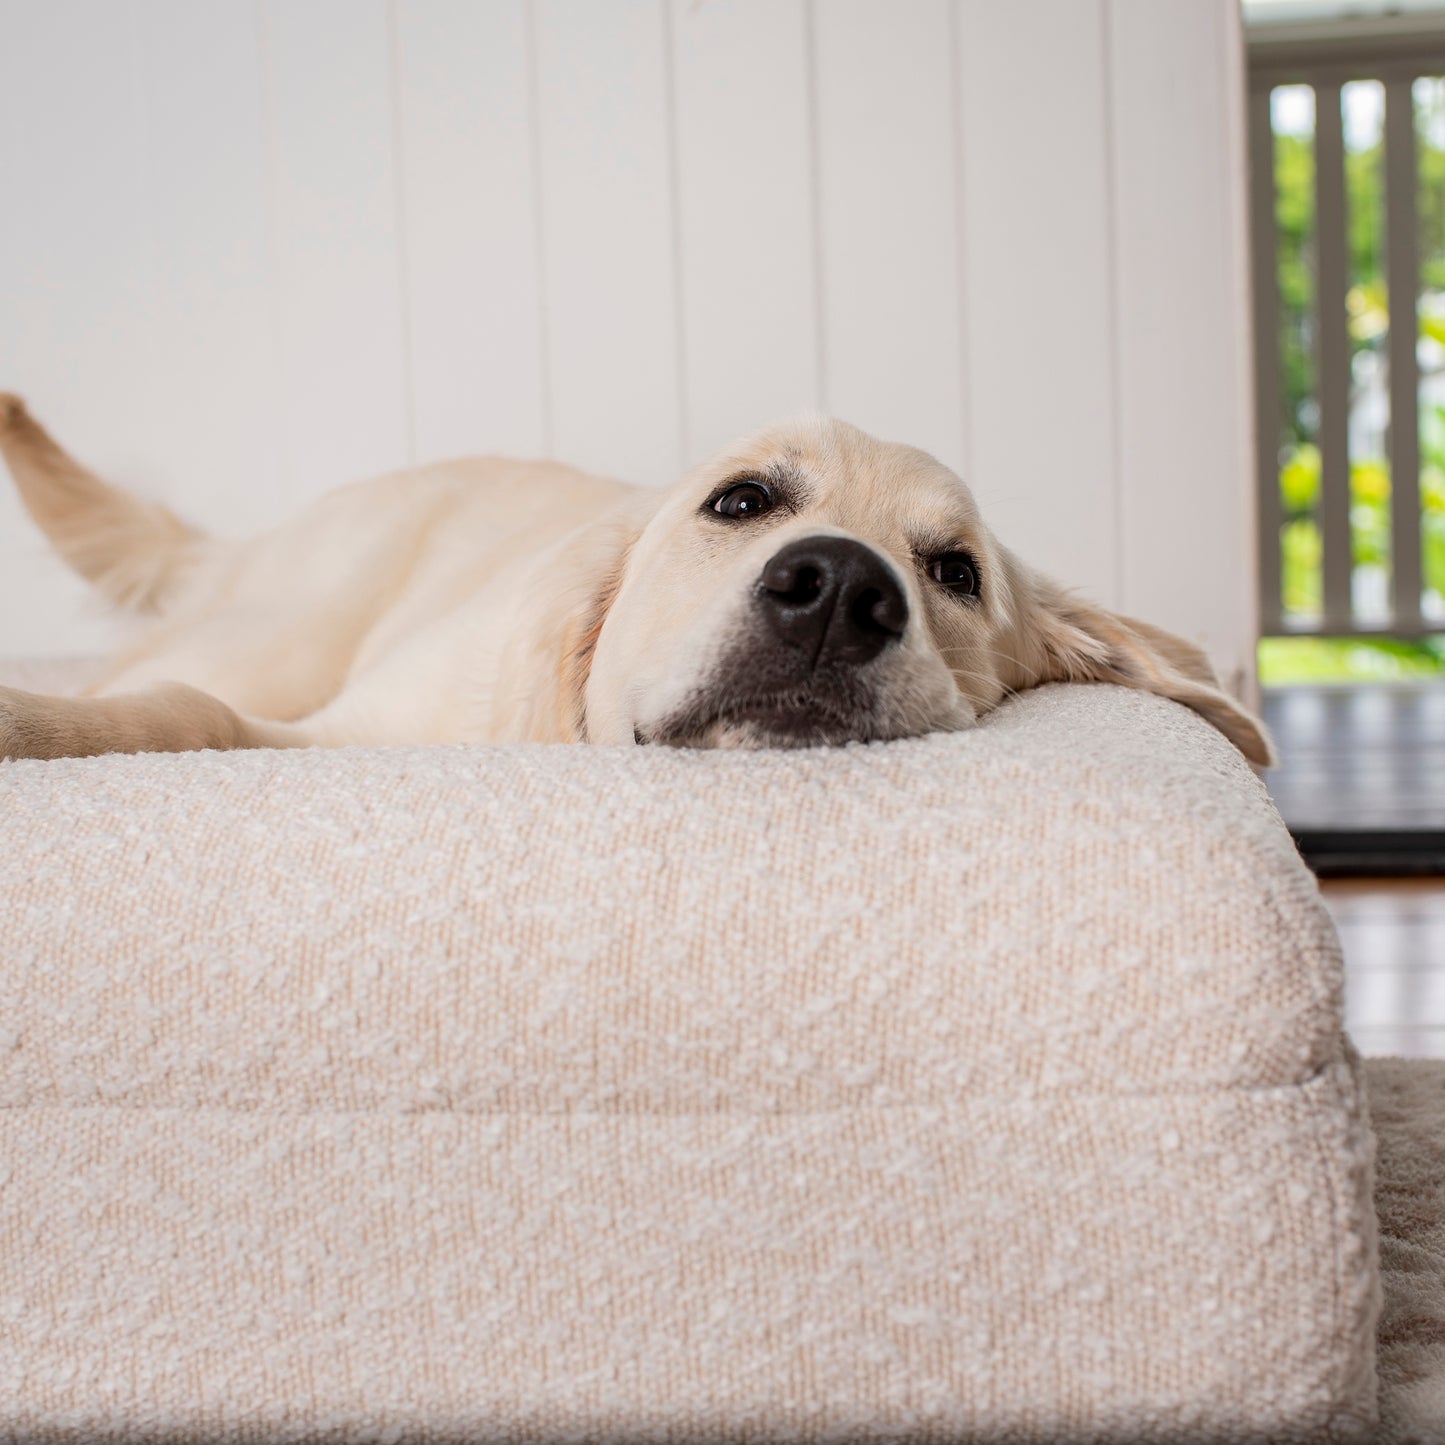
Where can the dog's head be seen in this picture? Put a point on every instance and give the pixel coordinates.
(814, 585)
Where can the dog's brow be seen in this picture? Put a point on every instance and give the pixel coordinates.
(934, 541)
(786, 471)
(788, 475)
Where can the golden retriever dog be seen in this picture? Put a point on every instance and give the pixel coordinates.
(810, 585)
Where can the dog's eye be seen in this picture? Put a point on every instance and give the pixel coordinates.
(745, 499)
(956, 571)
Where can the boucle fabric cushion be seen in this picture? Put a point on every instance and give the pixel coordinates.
(1407, 1108)
(986, 1086)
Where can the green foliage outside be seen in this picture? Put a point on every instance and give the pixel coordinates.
(1301, 659)
(1286, 660)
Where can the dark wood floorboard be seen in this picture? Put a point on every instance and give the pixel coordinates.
(1354, 758)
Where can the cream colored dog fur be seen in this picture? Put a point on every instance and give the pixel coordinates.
(809, 585)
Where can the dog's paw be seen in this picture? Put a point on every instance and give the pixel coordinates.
(12, 712)
(26, 730)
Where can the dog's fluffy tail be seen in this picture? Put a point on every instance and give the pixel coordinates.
(132, 551)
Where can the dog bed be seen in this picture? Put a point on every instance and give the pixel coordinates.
(984, 1086)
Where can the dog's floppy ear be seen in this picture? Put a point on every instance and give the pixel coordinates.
(577, 640)
(1065, 639)
(568, 591)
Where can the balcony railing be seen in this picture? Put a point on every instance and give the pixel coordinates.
(1347, 160)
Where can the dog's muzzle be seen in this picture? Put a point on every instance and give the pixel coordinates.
(833, 600)
(796, 674)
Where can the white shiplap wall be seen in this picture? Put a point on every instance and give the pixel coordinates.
(253, 248)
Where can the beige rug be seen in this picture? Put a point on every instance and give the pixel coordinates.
(1407, 1105)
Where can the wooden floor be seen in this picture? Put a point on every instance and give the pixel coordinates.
(1393, 936)
(1359, 758)
(1371, 760)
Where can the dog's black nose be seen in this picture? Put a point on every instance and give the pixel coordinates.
(834, 598)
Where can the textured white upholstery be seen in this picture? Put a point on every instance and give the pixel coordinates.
(983, 1085)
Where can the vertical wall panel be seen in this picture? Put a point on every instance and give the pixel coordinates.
(610, 274)
(76, 281)
(889, 221)
(344, 359)
(1040, 357)
(1236, 652)
(1185, 449)
(209, 333)
(471, 239)
(746, 225)
(1265, 278)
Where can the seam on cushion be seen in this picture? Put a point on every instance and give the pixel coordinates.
(1343, 1423)
(1223, 1091)
(1336, 1378)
